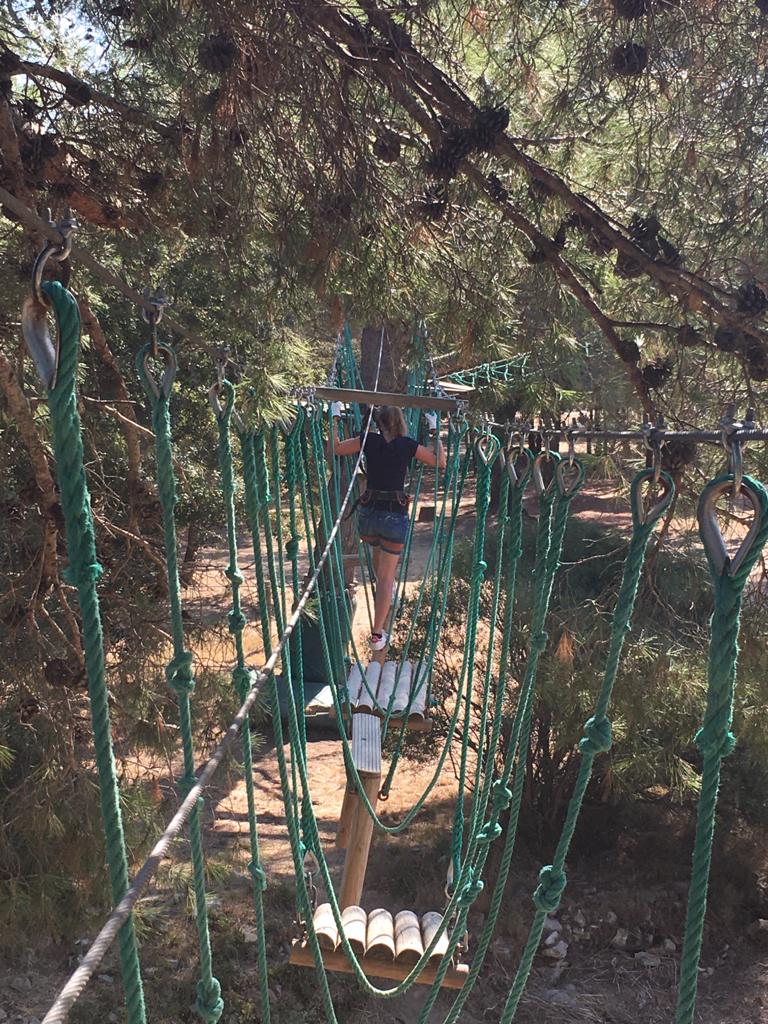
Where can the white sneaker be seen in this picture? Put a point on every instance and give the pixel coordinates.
(379, 641)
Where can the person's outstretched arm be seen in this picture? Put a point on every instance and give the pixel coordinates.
(427, 455)
(336, 445)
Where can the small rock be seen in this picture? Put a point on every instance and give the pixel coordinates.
(551, 924)
(619, 940)
(250, 934)
(669, 946)
(552, 938)
(758, 927)
(648, 959)
(557, 952)
(3, 1014)
(611, 918)
(21, 983)
(579, 920)
(557, 997)
(112, 1018)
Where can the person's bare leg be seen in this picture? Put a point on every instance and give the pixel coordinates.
(376, 557)
(385, 577)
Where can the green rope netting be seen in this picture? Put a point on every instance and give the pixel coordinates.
(289, 498)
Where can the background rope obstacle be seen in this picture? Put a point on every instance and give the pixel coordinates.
(472, 839)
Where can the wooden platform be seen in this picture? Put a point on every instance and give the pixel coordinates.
(386, 946)
(384, 686)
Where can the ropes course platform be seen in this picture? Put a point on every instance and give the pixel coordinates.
(395, 688)
(386, 946)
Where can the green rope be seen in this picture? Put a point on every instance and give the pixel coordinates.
(241, 680)
(209, 1005)
(84, 570)
(597, 731)
(549, 541)
(714, 739)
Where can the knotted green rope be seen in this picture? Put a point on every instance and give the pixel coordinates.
(83, 572)
(597, 730)
(241, 679)
(714, 738)
(209, 1005)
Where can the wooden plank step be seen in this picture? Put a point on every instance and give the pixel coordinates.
(366, 744)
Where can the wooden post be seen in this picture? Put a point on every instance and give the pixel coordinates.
(366, 754)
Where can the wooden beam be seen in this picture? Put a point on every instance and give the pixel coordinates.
(429, 402)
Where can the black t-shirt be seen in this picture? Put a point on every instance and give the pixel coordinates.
(388, 461)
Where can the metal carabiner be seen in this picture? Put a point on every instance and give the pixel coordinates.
(571, 446)
(153, 316)
(733, 449)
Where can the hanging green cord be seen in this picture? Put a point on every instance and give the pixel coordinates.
(597, 730)
(554, 507)
(714, 739)
(209, 1005)
(487, 451)
(501, 795)
(241, 679)
(83, 572)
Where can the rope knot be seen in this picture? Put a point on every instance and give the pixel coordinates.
(258, 874)
(502, 795)
(179, 673)
(471, 890)
(241, 678)
(597, 736)
(185, 783)
(82, 575)
(237, 621)
(209, 1005)
(539, 641)
(490, 831)
(712, 744)
(234, 575)
(479, 572)
(550, 889)
(292, 547)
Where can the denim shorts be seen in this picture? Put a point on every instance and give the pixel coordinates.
(383, 528)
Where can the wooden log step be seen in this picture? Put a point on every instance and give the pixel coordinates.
(408, 947)
(380, 934)
(354, 921)
(325, 926)
(429, 926)
(375, 967)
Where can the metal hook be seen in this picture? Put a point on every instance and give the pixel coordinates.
(571, 446)
(153, 316)
(34, 313)
(58, 251)
(733, 449)
(169, 373)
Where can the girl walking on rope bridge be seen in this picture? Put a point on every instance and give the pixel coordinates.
(383, 515)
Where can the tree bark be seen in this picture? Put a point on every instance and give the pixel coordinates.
(394, 360)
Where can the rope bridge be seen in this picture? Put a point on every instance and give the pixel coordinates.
(289, 498)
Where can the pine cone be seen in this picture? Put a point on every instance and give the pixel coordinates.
(629, 59)
(152, 182)
(643, 229)
(669, 254)
(689, 337)
(78, 94)
(433, 204)
(627, 267)
(676, 455)
(727, 339)
(386, 147)
(751, 299)
(490, 122)
(630, 9)
(498, 193)
(139, 44)
(218, 53)
(629, 351)
(657, 373)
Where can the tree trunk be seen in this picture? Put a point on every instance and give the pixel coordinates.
(394, 356)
